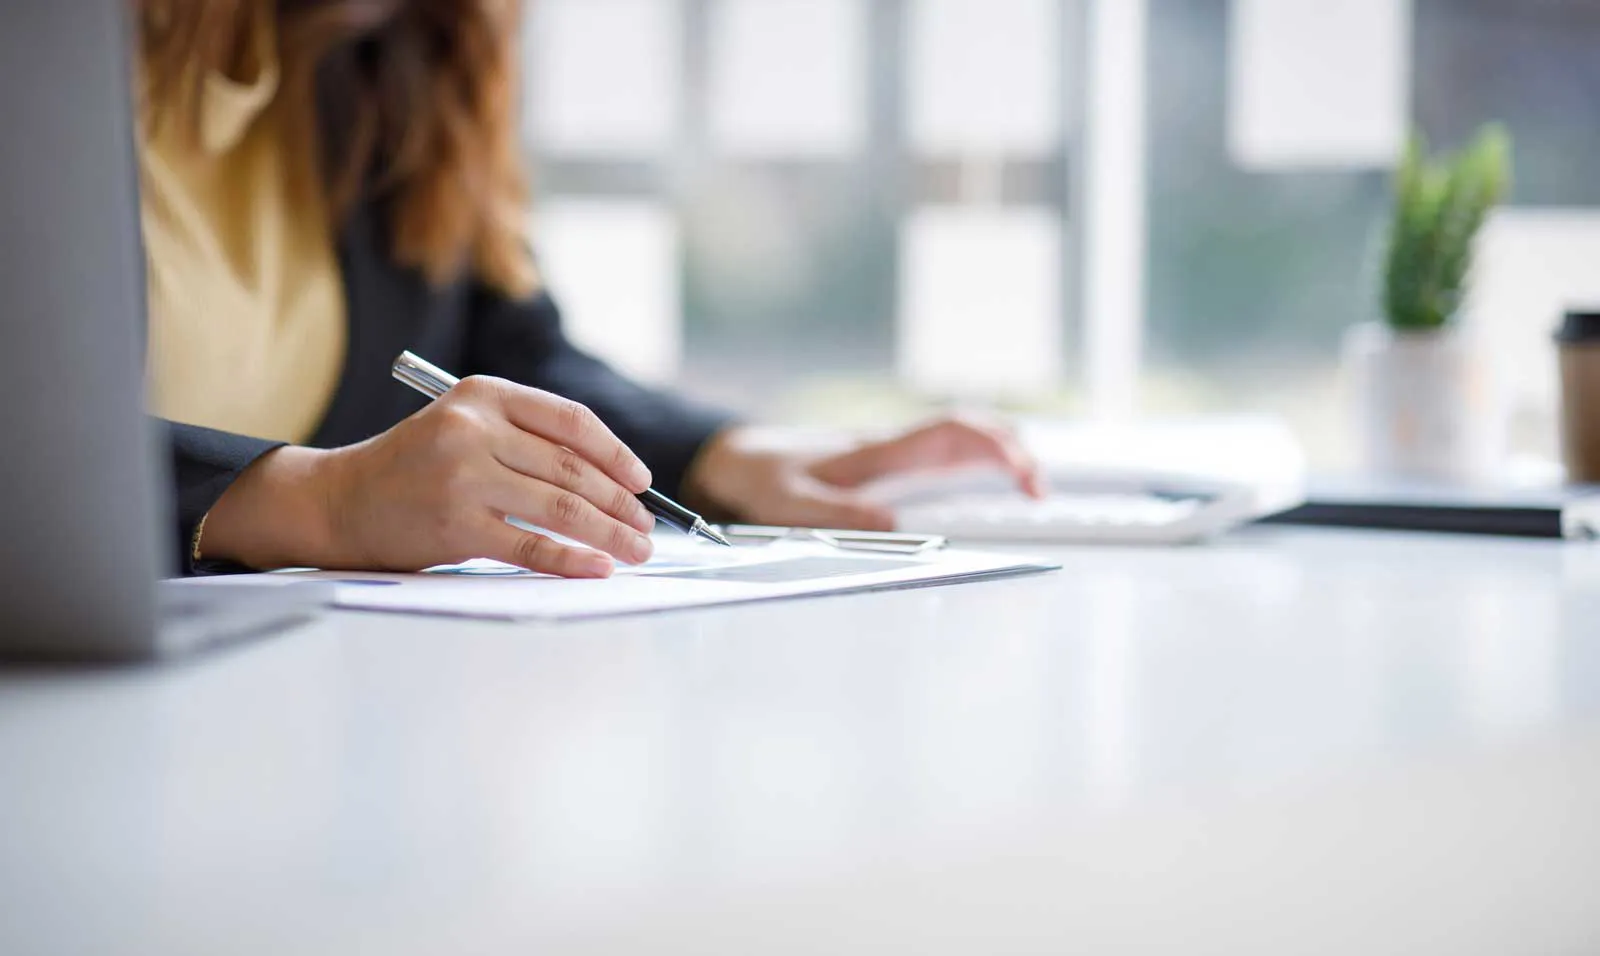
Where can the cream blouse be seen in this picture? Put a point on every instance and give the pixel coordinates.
(246, 303)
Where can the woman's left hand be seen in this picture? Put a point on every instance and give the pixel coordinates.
(740, 475)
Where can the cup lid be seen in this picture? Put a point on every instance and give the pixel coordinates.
(1580, 326)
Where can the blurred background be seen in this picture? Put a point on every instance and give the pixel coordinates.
(847, 211)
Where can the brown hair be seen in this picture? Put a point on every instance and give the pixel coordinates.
(411, 102)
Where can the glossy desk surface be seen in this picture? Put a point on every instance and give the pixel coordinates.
(1292, 741)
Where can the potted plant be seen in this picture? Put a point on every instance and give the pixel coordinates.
(1425, 390)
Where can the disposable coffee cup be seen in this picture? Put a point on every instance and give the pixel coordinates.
(1579, 343)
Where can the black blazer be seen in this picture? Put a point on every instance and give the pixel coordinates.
(466, 328)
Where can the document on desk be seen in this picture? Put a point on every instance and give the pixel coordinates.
(683, 575)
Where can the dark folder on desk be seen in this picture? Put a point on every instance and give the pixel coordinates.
(1555, 512)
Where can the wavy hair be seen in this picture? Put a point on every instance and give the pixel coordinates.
(411, 103)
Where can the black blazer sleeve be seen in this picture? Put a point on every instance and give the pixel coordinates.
(204, 463)
(522, 341)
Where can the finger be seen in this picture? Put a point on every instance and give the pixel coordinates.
(938, 445)
(980, 443)
(1021, 462)
(930, 446)
(574, 426)
(814, 504)
(567, 513)
(552, 464)
(536, 552)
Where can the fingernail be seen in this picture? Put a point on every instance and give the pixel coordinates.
(593, 564)
(641, 549)
(640, 475)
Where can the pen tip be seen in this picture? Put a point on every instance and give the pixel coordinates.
(714, 535)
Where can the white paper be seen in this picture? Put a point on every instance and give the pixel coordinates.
(479, 593)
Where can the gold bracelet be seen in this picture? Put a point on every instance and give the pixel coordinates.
(194, 543)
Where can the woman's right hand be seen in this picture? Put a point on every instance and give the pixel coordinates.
(436, 489)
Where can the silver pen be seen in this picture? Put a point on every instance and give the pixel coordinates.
(433, 382)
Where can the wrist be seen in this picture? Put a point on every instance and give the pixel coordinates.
(276, 513)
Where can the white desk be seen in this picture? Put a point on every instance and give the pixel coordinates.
(1292, 742)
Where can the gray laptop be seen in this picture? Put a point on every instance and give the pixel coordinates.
(81, 539)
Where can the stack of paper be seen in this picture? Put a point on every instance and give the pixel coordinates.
(684, 574)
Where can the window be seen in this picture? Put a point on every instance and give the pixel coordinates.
(787, 78)
(852, 192)
(837, 210)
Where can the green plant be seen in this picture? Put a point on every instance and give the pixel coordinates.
(1440, 206)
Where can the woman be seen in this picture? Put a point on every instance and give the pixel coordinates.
(328, 182)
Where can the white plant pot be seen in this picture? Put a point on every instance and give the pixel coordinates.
(1425, 404)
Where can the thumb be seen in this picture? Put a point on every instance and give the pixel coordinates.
(815, 504)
